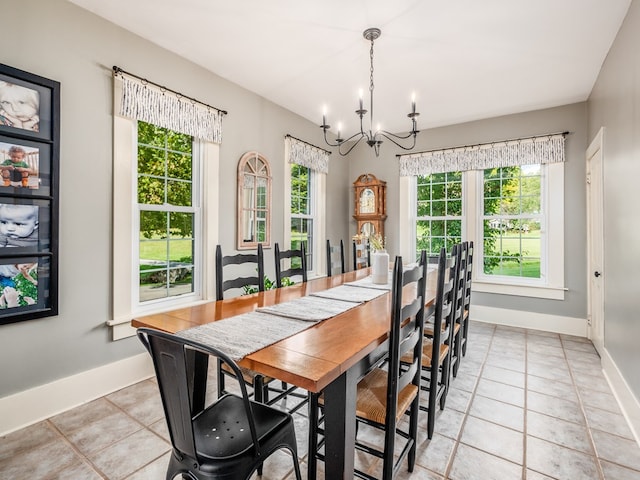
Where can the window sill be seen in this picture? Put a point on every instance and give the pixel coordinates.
(550, 293)
(121, 327)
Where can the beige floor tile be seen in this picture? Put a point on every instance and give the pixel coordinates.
(498, 412)
(472, 464)
(559, 462)
(495, 439)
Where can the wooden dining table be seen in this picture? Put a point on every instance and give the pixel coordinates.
(330, 356)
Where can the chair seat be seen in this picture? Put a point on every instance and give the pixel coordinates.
(428, 329)
(427, 348)
(372, 397)
(222, 431)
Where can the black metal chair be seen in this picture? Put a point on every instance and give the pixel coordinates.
(335, 258)
(228, 439)
(386, 394)
(298, 266)
(361, 254)
(255, 260)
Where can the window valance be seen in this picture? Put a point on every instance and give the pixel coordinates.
(307, 155)
(145, 101)
(541, 149)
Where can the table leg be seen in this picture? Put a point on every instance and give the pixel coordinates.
(340, 426)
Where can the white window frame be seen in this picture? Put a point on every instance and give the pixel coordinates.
(318, 204)
(196, 209)
(551, 284)
(125, 225)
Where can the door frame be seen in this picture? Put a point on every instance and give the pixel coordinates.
(595, 241)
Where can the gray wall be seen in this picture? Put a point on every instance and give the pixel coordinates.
(615, 104)
(78, 49)
(570, 118)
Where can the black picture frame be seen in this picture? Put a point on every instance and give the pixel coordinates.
(29, 182)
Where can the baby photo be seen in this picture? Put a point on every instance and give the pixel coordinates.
(18, 285)
(19, 165)
(19, 107)
(18, 225)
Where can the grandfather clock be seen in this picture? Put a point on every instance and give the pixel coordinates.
(370, 204)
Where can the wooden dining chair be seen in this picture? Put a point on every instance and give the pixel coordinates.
(248, 261)
(228, 439)
(452, 321)
(435, 349)
(335, 258)
(467, 298)
(460, 318)
(361, 254)
(297, 265)
(255, 261)
(387, 393)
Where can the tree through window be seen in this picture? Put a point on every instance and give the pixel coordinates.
(167, 213)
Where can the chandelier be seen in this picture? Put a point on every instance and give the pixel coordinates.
(371, 137)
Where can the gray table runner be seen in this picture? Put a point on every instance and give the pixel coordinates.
(310, 309)
(244, 334)
(350, 293)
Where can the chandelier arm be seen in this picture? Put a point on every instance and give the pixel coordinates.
(400, 137)
(337, 144)
(357, 134)
(391, 139)
(351, 147)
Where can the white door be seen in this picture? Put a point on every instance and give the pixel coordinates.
(595, 241)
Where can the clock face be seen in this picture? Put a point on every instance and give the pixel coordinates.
(367, 201)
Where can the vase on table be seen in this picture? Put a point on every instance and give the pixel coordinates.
(380, 267)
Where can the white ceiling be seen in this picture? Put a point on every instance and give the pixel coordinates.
(464, 59)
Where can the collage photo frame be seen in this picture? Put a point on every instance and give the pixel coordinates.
(29, 166)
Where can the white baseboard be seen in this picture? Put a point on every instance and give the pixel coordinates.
(626, 399)
(39, 403)
(532, 320)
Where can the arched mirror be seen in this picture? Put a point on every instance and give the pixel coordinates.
(254, 201)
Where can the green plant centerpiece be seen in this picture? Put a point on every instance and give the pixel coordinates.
(268, 285)
(376, 243)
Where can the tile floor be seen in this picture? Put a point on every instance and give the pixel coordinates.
(525, 405)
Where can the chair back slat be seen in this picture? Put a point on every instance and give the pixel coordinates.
(248, 260)
(292, 254)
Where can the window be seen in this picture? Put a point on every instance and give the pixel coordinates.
(302, 211)
(168, 214)
(438, 212)
(513, 221)
(514, 215)
(165, 208)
